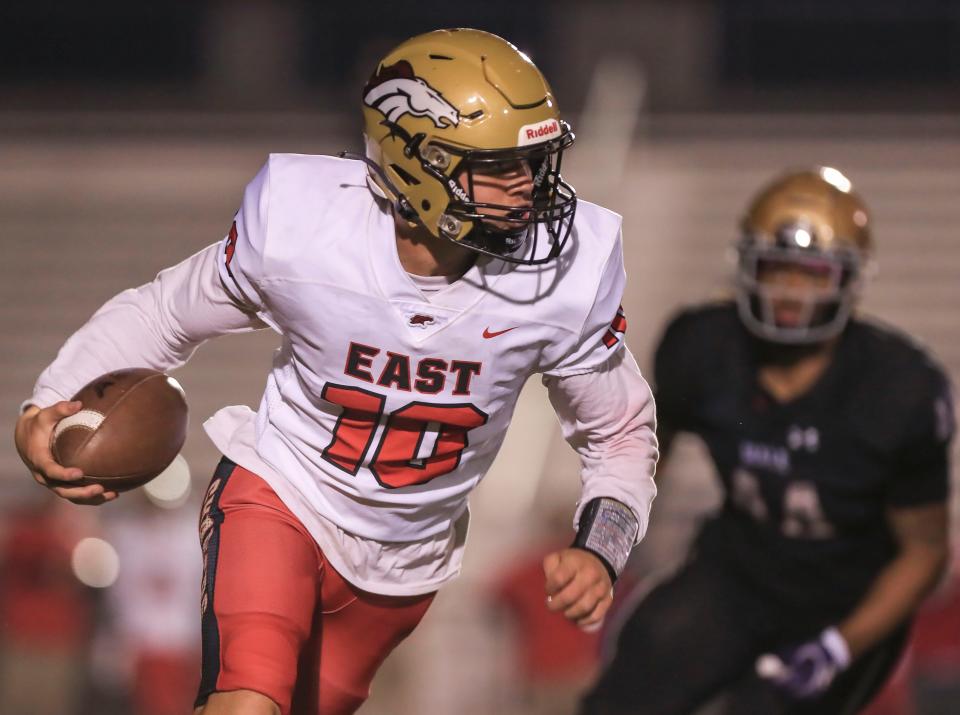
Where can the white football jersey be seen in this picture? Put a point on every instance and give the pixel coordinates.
(386, 406)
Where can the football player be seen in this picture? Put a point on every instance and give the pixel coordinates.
(830, 434)
(416, 288)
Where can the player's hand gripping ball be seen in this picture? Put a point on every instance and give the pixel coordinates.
(131, 426)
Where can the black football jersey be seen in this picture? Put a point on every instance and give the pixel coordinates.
(808, 482)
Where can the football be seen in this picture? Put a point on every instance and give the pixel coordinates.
(132, 425)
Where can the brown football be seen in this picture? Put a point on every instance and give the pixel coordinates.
(132, 425)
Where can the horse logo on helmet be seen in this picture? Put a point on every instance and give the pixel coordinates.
(395, 90)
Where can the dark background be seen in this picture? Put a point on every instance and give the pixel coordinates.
(129, 129)
(904, 54)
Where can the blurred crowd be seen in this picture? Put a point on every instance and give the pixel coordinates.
(100, 615)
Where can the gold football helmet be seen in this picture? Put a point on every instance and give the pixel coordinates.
(813, 220)
(444, 104)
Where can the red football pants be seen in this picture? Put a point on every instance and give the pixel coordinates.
(277, 618)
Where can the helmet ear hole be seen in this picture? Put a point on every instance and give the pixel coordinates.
(425, 205)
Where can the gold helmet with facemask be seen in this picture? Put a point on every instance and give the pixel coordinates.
(447, 103)
(810, 220)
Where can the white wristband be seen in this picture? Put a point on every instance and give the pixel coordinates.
(836, 646)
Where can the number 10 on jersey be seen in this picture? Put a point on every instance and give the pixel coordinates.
(403, 456)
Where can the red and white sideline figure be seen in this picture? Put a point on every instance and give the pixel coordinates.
(416, 289)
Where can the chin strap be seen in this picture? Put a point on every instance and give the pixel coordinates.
(404, 207)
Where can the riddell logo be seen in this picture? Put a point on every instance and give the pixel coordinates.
(457, 190)
(539, 132)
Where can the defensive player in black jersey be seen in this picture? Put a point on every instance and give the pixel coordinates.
(830, 434)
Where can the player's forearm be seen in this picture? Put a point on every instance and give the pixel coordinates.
(118, 335)
(608, 416)
(622, 469)
(157, 325)
(894, 596)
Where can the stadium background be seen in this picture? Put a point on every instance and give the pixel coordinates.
(127, 133)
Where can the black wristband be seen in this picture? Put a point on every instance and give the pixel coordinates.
(607, 530)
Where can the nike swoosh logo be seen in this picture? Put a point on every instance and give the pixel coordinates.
(487, 334)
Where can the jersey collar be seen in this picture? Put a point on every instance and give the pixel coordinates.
(396, 285)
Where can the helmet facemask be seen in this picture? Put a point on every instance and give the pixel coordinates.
(822, 306)
(510, 233)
